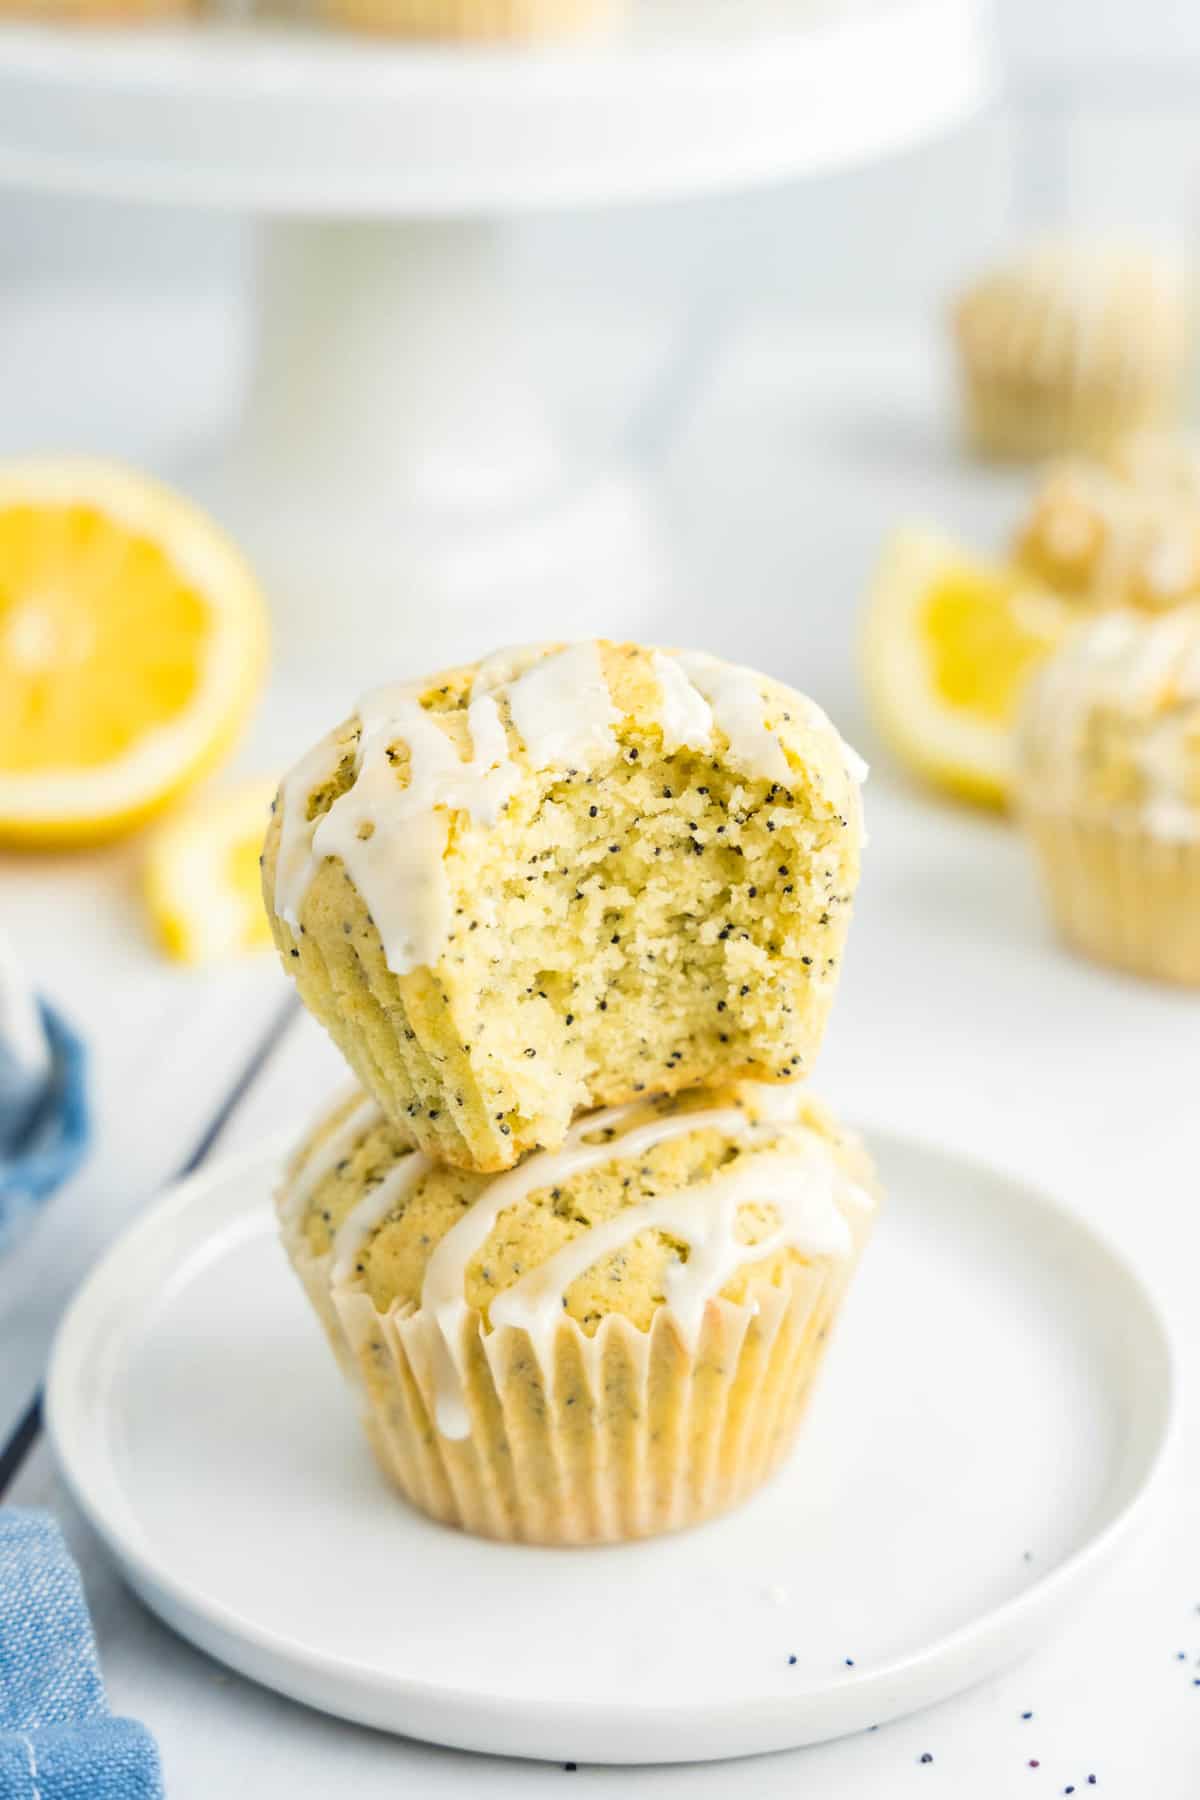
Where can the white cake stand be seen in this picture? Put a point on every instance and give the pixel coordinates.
(395, 472)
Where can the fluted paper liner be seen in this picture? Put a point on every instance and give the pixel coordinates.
(1028, 419)
(626, 1434)
(313, 1272)
(1120, 894)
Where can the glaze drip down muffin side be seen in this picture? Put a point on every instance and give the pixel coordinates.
(563, 878)
(611, 1340)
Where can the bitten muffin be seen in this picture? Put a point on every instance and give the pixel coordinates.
(1125, 535)
(1070, 348)
(1108, 787)
(562, 878)
(483, 21)
(608, 1341)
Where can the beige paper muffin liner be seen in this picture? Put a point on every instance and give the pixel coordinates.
(1121, 895)
(1026, 420)
(313, 1272)
(628, 1433)
(482, 20)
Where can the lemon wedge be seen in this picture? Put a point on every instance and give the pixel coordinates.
(202, 875)
(132, 646)
(948, 644)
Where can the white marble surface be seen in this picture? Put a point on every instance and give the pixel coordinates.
(958, 1018)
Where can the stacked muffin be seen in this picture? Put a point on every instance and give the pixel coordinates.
(575, 917)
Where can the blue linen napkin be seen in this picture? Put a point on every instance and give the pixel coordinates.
(44, 1122)
(58, 1740)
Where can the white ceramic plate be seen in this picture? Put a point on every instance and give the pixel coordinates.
(990, 1423)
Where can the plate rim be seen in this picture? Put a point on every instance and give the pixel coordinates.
(221, 1629)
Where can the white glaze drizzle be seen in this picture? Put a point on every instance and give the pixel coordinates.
(392, 840)
(443, 1293)
(324, 1158)
(737, 710)
(857, 767)
(799, 1186)
(370, 1212)
(295, 863)
(563, 710)
(686, 717)
(503, 666)
(734, 696)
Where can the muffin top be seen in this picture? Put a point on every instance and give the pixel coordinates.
(1073, 307)
(1125, 534)
(435, 763)
(664, 1201)
(1111, 725)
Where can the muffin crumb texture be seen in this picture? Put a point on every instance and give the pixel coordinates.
(566, 877)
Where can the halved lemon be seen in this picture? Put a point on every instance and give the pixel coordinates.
(202, 877)
(948, 645)
(132, 646)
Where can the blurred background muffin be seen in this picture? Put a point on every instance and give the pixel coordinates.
(1126, 533)
(1108, 789)
(1071, 346)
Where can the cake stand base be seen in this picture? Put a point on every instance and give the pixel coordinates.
(395, 478)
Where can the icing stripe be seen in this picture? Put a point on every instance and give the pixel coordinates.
(810, 1215)
(324, 1159)
(686, 716)
(372, 1210)
(390, 839)
(737, 710)
(563, 710)
(799, 1187)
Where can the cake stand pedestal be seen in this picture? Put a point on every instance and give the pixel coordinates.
(395, 475)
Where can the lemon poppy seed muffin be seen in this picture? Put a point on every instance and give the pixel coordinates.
(613, 1339)
(1108, 752)
(1070, 348)
(1109, 536)
(562, 878)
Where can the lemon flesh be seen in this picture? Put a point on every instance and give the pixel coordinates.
(949, 644)
(132, 642)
